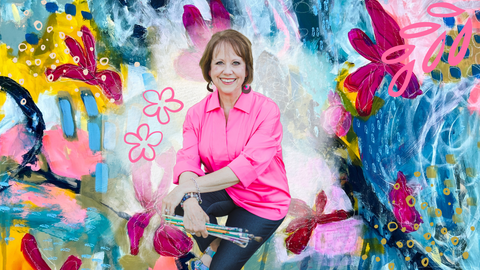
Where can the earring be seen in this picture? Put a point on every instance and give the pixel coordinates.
(246, 88)
(209, 86)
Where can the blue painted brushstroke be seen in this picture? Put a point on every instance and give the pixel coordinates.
(149, 81)
(477, 38)
(87, 15)
(450, 21)
(68, 125)
(455, 72)
(460, 27)
(157, 3)
(139, 31)
(437, 75)
(444, 57)
(71, 9)
(449, 41)
(477, 14)
(476, 70)
(90, 103)
(31, 38)
(101, 177)
(109, 136)
(94, 136)
(467, 53)
(51, 7)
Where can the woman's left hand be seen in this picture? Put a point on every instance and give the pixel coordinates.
(170, 202)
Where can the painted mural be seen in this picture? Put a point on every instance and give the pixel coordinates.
(380, 103)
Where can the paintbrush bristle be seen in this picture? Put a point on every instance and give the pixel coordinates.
(258, 238)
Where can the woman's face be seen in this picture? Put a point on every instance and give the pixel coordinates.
(227, 70)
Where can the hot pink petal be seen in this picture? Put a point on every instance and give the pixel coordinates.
(334, 98)
(72, 263)
(386, 29)
(135, 228)
(173, 105)
(365, 81)
(171, 242)
(299, 223)
(111, 84)
(220, 16)
(154, 138)
(406, 215)
(31, 253)
(474, 100)
(195, 26)
(364, 45)
(89, 44)
(72, 72)
(76, 50)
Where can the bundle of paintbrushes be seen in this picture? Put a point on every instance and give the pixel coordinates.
(238, 236)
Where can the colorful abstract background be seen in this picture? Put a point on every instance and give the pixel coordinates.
(380, 103)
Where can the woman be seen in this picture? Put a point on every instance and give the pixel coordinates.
(236, 134)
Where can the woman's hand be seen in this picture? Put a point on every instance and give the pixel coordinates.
(194, 218)
(170, 202)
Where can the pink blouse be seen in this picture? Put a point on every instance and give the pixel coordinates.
(249, 144)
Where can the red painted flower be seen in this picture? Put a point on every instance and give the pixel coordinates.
(143, 142)
(33, 256)
(306, 220)
(367, 79)
(86, 70)
(406, 215)
(165, 100)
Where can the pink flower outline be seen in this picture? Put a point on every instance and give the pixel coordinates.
(159, 109)
(137, 144)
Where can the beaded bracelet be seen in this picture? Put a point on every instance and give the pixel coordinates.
(188, 196)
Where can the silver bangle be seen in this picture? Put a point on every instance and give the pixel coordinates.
(198, 190)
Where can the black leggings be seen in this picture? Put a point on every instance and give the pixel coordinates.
(229, 255)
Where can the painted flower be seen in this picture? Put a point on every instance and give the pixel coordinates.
(144, 143)
(306, 220)
(161, 104)
(335, 119)
(32, 254)
(403, 205)
(368, 78)
(86, 70)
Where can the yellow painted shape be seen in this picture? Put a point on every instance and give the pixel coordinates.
(457, 218)
(471, 201)
(448, 183)
(458, 210)
(16, 14)
(465, 255)
(432, 172)
(14, 257)
(417, 174)
(450, 159)
(470, 172)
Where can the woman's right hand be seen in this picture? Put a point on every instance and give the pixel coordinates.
(195, 218)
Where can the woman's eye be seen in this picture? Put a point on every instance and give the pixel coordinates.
(236, 63)
(219, 63)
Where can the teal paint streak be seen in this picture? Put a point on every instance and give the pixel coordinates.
(94, 136)
(101, 178)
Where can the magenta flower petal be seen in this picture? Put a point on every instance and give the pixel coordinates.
(76, 51)
(299, 208)
(171, 242)
(364, 45)
(220, 16)
(195, 26)
(365, 81)
(135, 228)
(72, 72)
(31, 253)
(72, 263)
(320, 202)
(111, 83)
(298, 240)
(386, 29)
(406, 215)
(89, 43)
(413, 89)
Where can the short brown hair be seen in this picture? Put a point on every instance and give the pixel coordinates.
(241, 45)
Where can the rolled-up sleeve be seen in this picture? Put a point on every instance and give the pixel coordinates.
(261, 147)
(188, 158)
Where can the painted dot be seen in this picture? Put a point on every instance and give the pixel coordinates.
(433, 243)
(56, 45)
(79, 33)
(32, 49)
(61, 35)
(424, 205)
(26, 12)
(38, 62)
(29, 62)
(69, 17)
(76, 59)
(376, 226)
(425, 262)
(97, 94)
(57, 61)
(377, 259)
(416, 226)
(50, 78)
(431, 223)
(104, 77)
(407, 258)
(85, 71)
(384, 241)
(472, 228)
(404, 229)
(364, 257)
(458, 210)
(454, 240)
(438, 212)
(428, 249)
(427, 236)
(446, 191)
(465, 255)
(23, 101)
(441, 253)
(449, 203)
(22, 47)
(91, 49)
(49, 29)
(399, 244)
(417, 174)
(444, 231)
(53, 66)
(393, 202)
(35, 74)
(67, 51)
(9, 75)
(137, 64)
(391, 266)
(21, 81)
(15, 60)
(431, 185)
(76, 89)
(53, 55)
(104, 61)
(112, 100)
(44, 2)
(42, 47)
